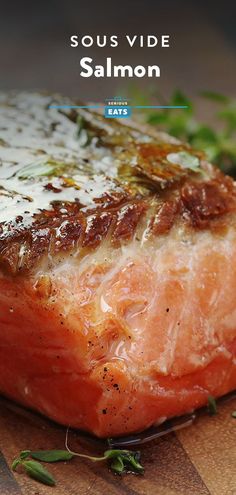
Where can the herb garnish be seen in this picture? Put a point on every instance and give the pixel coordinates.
(85, 136)
(41, 169)
(51, 455)
(212, 409)
(119, 461)
(216, 139)
(34, 469)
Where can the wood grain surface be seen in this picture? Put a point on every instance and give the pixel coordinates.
(199, 460)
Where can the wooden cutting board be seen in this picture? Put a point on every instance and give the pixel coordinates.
(198, 460)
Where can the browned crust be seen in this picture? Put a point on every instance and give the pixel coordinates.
(207, 201)
(169, 195)
(199, 205)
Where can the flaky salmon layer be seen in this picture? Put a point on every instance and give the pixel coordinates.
(126, 337)
(117, 269)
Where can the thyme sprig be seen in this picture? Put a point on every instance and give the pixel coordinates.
(212, 407)
(119, 461)
(34, 469)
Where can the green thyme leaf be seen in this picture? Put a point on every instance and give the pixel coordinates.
(117, 465)
(184, 160)
(206, 134)
(41, 169)
(212, 406)
(51, 455)
(216, 97)
(157, 118)
(113, 453)
(134, 459)
(15, 463)
(179, 99)
(233, 414)
(85, 136)
(180, 126)
(228, 114)
(24, 454)
(35, 470)
(130, 461)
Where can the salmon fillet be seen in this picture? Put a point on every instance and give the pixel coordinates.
(117, 269)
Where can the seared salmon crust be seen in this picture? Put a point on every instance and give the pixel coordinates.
(118, 274)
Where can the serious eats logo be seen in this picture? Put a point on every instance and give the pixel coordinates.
(117, 108)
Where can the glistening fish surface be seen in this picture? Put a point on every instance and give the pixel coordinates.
(118, 277)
